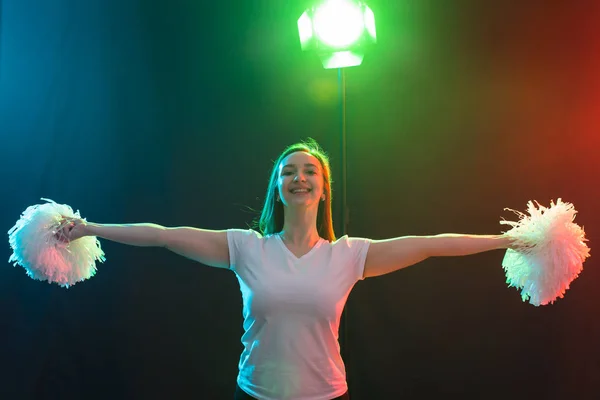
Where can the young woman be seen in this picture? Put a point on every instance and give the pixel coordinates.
(294, 275)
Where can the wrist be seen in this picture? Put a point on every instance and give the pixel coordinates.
(504, 241)
(89, 229)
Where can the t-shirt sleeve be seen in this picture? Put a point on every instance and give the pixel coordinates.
(239, 241)
(359, 247)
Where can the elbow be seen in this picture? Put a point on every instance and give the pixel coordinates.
(163, 237)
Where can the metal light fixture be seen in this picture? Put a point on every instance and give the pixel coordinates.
(339, 31)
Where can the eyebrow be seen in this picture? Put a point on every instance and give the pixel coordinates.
(294, 165)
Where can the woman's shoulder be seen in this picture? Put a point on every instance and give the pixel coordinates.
(244, 232)
(249, 240)
(243, 235)
(346, 239)
(249, 234)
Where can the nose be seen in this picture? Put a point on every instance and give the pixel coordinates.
(299, 177)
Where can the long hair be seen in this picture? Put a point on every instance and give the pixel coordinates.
(271, 218)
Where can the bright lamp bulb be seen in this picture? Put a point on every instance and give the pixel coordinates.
(339, 23)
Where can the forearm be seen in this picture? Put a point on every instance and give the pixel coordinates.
(451, 244)
(132, 234)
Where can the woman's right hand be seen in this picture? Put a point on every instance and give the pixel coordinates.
(71, 229)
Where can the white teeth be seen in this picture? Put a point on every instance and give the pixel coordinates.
(300, 191)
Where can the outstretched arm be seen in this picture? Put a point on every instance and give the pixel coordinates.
(202, 245)
(385, 256)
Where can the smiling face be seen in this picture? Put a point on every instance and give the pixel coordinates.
(282, 184)
(300, 181)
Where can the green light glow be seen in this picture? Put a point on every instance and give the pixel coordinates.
(370, 23)
(339, 23)
(305, 28)
(339, 31)
(342, 59)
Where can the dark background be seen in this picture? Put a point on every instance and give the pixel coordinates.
(172, 113)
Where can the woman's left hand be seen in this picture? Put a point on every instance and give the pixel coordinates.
(70, 229)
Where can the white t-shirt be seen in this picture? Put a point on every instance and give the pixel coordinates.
(292, 310)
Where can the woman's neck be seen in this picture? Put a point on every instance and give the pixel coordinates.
(300, 227)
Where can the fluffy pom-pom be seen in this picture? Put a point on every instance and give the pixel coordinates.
(37, 248)
(547, 252)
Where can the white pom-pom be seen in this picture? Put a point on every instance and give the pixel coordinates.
(547, 252)
(37, 249)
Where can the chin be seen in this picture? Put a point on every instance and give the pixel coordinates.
(302, 202)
